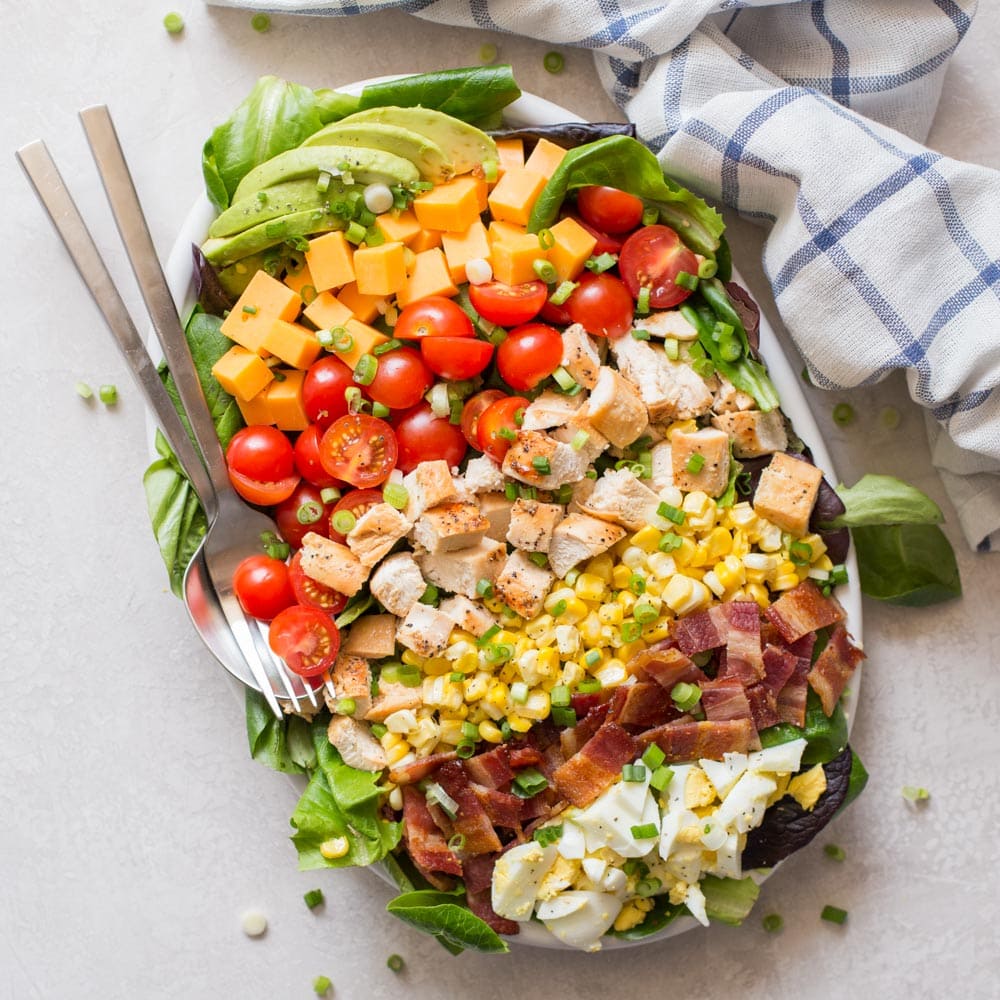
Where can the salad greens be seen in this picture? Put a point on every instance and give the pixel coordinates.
(280, 744)
(879, 500)
(443, 915)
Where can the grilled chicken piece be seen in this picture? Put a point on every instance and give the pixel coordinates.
(787, 491)
(753, 433)
(355, 744)
(539, 460)
(620, 497)
(522, 585)
(450, 526)
(532, 523)
(375, 533)
(429, 484)
(616, 409)
(580, 356)
(398, 584)
(461, 572)
(425, 630)
(372, 637)
(332, 564)
(578, 537)
(701, 460)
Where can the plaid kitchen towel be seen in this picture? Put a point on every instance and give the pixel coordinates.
(809, 117)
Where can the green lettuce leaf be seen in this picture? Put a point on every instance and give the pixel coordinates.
(878, 500)
(825, 736)
(281, 744)
(445, 917)
(908, 564)
(729, 900)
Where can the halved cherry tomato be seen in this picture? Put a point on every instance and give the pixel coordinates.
(302, 512)
(605, 242)
(312, 593)
(552, 313)
(323, 390)
(262, 586)
(426, 438)
(261, 464)
(455, 357)
(402, 379)
(433, 316)
(609, 209)
(602, 305)
(473, 410)
(307, 461)
(652, 258)
(359, 449)
(306, 639)
(531, 352)
(498, 426)
(508, 305)
(357, 502)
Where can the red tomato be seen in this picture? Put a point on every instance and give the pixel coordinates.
(473, 410)
(262, 586)
(261, 464)
(302, 512)
(605, 243)
(323, 390)
(307, 461)
(401, 380)
(609, 209)
(652, 258)
(357, 502)
(531, 352)
(455, 357)
(312, 593)
(425, 438)
(306, 639)
(552, 313)
(497, 417)
(359, 449)
(602, 305)
(433, 316)
(508, 305)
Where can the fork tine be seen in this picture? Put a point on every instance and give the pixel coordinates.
(244, 639)
(295, 686)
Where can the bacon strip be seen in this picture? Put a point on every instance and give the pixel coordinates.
(833, 668)
(667, 667)
(763, 706)
(572, 740)
(743, 656)
(702, 631)
(417, 770)
(779, 665)
(479, 872)
(643, 704)
(479, 903)
(424, 841)
(803, 609)
(471, 821)
(684, 741)
(724, 700)
(491, 769)
(791, 706)
(596, 765)
(502, 808)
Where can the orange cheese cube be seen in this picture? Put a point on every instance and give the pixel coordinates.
(284, 401)
(366, 339)
(571, 246)
(301, 281)
(452, 206)
(330, 261)
(544, 158)
(515, 195)
(398, 227)
(326, 311)
(511, 155)
(241, 372)
(380, 270)
(513, 258)
(482, 191)
(460, 248)
(256, 410)
(503, 230)
(429, 276)
(264, 300)
(292, 343)
(364, 307)
(426, 239)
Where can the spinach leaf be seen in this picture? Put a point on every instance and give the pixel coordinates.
(355, 608)
(441, 915)
(332, 105)
(908, 564)
(282, 744)
(878, 500)
(825, 737)
(729, 900)
(856, 781)
(625, 163)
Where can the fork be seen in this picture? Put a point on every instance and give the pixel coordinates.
(234, 529)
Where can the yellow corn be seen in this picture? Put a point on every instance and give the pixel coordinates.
(590, 587)
(626, 601)
(590, 629)
(335, 847)
(450, 731)
(657, 631)
(647, 539)
(497, 695)
(575, 611)
(437, 665)
(620, 576)
(490, 732)
(412, 659)
(630, 649)
(601, 566)
(518, 723)
(611, 614)
(395, 754)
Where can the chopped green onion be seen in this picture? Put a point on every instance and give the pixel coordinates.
(436, 795)
(456, 842)
(380, 410)
(465, 750)
(510, 489)
(592, 657)
(173, 22)
(519, 692)
(672, 348)
(800, 553)
(343, 522)
(834, 851)
(772, 922)
(558, 608)
(630, 631)
(843, 414)
(640, 334)
(591, 473)
(580, 438)
(685, 696)
(507, 434)
(366, 369)
(538, 558)
(108, 395)
(637, 584)
(355, 233)
(325, 338)
(374, 237)
(661, 776)
(487, 636)
(645, 613)
(546, 835)
(644, 831)
(651, 216)
(541, 465)
(487, 52)
(563, 716)
(834, 914)
(563, 379)
(553, 62)
(703, 367)
(914, 794)
(669, 542)
(309, 512)
(456, 677)
(545, 239)
(322, 182)
(346, 706)
(341, 340)
(589, 685)
(633, 772)
(321, 985)
(563, 495)
(396, 495)
(545, 270)
(84, 391)
(390, 345)
(707, 269)
(278, 376)
(470, 731)
(260, 22)
(648, 887)
(838, 574)
(889, 417)
(642, 301)
(395, 962)
(671, 513)
(653, 756)
(602, 263)
(529, 782)
(563, 291)
(329, 494)
(559, 696)
(685, 280)
(499, 652)
(695, 464)
(378, 730)
(484, 588)
(491, 170)
(314, 898)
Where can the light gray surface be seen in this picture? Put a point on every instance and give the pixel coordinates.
(135, 831)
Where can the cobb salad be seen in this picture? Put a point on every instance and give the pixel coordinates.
(558, 563)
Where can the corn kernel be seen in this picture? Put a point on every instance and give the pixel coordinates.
(657, 632)
(590, 629)
(476, 687)
(662, 565)
(719, 543)
(572, 673)
(758, 592)
(611, 613)
(612, 673)
(589, 587)
(566, 594)
(490, 732)
(396, 798)
(396, 754)
(548, 662)
(567, 639)
(601, 566)
(785, 582)
(454, 713)
(620, 577)
(518, 724)
(684, 595)
(714, 584)
(390, 740)
(647, 539)
(537, 626)
(630, 649)
(412, 659)
(497, 695)
(626, 601)
(335, 847)
(509, 672)
(437, 665)
(450, 731)
(537, 706)
(462, 647)
(575, 611)
(824, 562)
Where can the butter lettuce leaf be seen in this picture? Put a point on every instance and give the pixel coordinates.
(444, 916)
(281, 744)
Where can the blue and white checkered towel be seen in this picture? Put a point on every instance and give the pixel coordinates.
(809, 116)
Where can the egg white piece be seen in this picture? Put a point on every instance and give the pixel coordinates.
(743, 808)
(517, 876)
(572, 844)
(785, 757)
(694, 900)
(608, 820)
(726, 772)
(585, 926)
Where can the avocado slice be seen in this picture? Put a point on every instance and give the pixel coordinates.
(223, 251)
(367, 166)
(425, 155)
(465, 145)
(269, 203)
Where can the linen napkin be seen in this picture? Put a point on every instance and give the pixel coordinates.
(808, 117)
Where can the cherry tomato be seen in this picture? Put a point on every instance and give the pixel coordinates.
(261, 464)
(359, 449)
(262, 586)
(357, 502)
(426, 438)
(508, 305)
(307, 461)
(473, 410)
(602, 305)
(609, 209)
(306, 639)
(323, 390)
(497, 417)
(433, 316)
(302, 512)
(652, 258)
(455, 357)
(312, 593)
(605, 243)
(552, 313)
(531, 352)
(401, 380)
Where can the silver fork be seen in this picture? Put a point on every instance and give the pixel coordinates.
(234, 528)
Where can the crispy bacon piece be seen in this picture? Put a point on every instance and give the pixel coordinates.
(702, 631)
(833, 668)
(743, 656)
(779, 665)
(763, 706)
(791, 706)
(502, 808)
(424, 841)
(665, 666)
(571, 740)
(803, 609)
(479, 903)
(595, 765)
(491, 769)
(643, 704)
(479, 872)
(724, 700)
(471, 821)
(523, 757)
(683, 741)
(416, 771)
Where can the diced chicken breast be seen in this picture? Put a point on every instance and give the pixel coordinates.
(375, 533)
(398, 584)
(482, 475)
(468, 615)
(355, 743)
(539, 460)
(551, 409)
(787, 491)
(753, 433)
(522, 585)
(701, 460)
(352, 678)
(429, 484)
(461, 572)
(425, 630)
(578, 537)
(372, 637)
(580, 356)
(332, 564)
(620, 497)
(532, 523)
(661, 457)
(495, 507)
(669, 323)
(728, 398)
(615, 408)
(450, 526)
(671, 390)
(392, 697)
(581, 491)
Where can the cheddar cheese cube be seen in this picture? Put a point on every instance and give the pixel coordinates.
(452, 206)
(284, 401)
(292, 343)
(398, 227)
(364, 307)
(255, 410)
(515, 195)
(264, 300)
(241, 373)
(501, 230)
(330, 261)
(544, 158)
(513, 258)
(460, 248)
(511, 155)
(571, 246)
(326, 311)
(429, 276)
(426, 239)
(365, 339)
(301, 281)
(380, 270)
